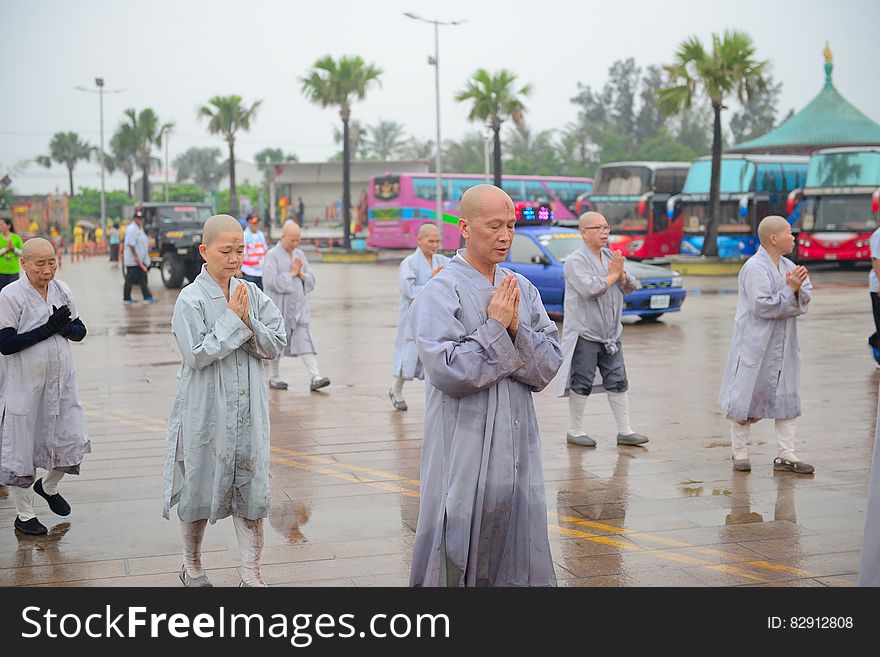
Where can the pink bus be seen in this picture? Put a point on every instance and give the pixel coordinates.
(401, 202)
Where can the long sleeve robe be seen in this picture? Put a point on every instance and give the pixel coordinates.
(762, 375)
(217, 443)
(413, 275)
(290, 293)
(41, 418)
(592, 309)
(482, 512)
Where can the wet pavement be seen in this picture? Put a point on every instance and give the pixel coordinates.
(345, 465)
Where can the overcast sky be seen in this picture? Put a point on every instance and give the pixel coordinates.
(173, 56)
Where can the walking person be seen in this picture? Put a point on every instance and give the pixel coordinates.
(136, 259)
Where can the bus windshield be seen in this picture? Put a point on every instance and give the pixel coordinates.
(622, 181)
(844, 170)
(849, 213)
(694, 216)
(736, 177)
(622, 216)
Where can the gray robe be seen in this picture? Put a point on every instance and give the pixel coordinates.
(217, 443)
(762, 375)
(592, 309)
(482, 512)
(869, 572)
(413, 275)
(289, 294)
(41, 418)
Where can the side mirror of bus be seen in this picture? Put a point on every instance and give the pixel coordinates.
(541, 260)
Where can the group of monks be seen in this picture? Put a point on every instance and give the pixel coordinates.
(476, 332)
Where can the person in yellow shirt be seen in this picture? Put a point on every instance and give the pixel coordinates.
(99, 239)
(33, 227)
(78, 238)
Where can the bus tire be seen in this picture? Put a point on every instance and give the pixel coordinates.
(172, 271)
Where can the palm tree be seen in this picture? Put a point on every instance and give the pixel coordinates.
(266, 160)
(332, 82)
(494, 100)
(730, 69)
(67, 149)
(123, 145)
(199, 165)
(418, 149)
(226, 116)
(357, 135)
(385, 140)
(145, 133)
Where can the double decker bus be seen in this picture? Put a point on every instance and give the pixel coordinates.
(632, 196)
(398, 203)
(840, 205)
(752, 187)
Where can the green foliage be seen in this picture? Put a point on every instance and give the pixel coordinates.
(253, 192)
(757, 117)
(199, 165)
(186, 192)
(339, 82)
(87, 204)
(145, 133)
(66, 148)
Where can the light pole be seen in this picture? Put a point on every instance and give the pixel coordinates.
(435, 62)
(99, 82)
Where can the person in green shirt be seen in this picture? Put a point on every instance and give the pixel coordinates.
(10, 251)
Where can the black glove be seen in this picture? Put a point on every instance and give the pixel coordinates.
(57, 320)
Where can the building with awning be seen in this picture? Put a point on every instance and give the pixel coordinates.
(829, 120)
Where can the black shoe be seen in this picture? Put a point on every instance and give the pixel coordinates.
(57, 503)
(33, 527)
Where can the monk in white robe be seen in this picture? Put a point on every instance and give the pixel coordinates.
(41, 419)
(288, 279)
(762, 376)
(416, 270)
(217, 444)
(595, 283)
(486, 345)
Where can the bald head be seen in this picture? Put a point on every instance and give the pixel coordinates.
(427, 229)
(291, 234)
(291, 228)
(481, 200)
(588, 219)
(219, 223)
(37, 247)
(772, 225)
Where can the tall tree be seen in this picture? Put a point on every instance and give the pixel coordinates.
(384, 140)
(494, 99)
(465, 155)
(66, 148)
(339, 83)
(418, 149)
(123, 145)
(531, 153)
(146, 133)
(226, 116)
(356, 140)
(266, 160)
(199, 165)
(759, 116)
(730, 69)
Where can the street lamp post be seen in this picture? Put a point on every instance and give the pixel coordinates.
(99, 82)
(435, 62)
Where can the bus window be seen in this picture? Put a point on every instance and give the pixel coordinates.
(660, 220)
(461, 185)
(669, 181)
(426, 188)
(514, 189)
(769, 178)
(535, 192)
(622, 181)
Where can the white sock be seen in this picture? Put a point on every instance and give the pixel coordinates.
(274, 367)
(785, 430)
(311, 363)
(739, 440)
(24, 502)
(250, 545)
(193, 533)
(51, 480)
(576, 405)
(397, 388)
(619, 403)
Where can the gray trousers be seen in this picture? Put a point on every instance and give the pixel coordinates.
(588, 356)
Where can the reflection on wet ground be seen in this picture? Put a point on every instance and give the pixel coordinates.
(345, 465)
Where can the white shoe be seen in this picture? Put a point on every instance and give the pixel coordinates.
(277, 384)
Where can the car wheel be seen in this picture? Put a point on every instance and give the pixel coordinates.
(172, 272)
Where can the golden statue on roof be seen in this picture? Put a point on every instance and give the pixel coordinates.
(827, 53)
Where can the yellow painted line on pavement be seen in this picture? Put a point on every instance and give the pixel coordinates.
(344, 476)
(733, 570)
(326, 460)
(595, 538)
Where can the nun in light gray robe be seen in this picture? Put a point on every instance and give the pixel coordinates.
(290, 293)
(762, 378)
(482, 512)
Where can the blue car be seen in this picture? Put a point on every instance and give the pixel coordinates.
(539, 252)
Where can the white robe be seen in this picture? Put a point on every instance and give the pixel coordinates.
(482, 512)
(413, 275)
(592, 309)
(41, 421)
(289, 294)
(762, 375)
(217, 443)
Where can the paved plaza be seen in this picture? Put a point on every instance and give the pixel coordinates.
(345, 465)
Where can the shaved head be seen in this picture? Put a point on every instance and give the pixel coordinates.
(588, 219)
(219, 223)
(477, 200)
(771, 225)
(426, 229)
(291, 228)
(37, 247)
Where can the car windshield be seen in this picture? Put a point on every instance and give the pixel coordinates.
(182, 214)
(561, 245)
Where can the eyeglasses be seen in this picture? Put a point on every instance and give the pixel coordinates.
(606, 228)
